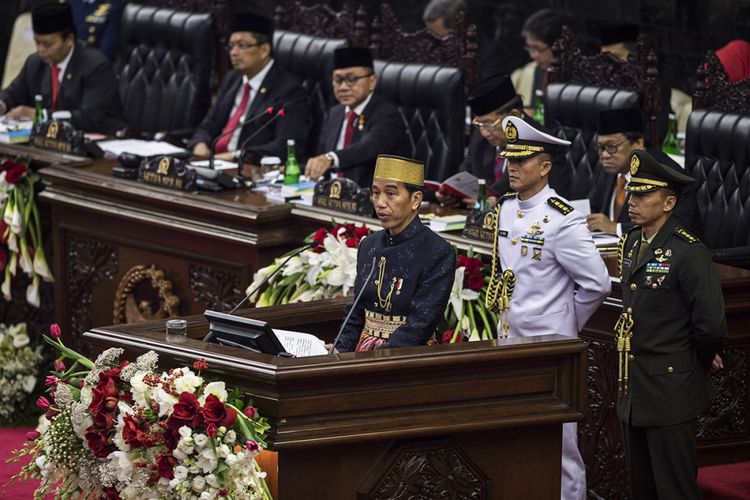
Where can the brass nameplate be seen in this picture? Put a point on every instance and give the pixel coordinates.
(168, 172)
(480, 225)
(343, 195)
(58, 135)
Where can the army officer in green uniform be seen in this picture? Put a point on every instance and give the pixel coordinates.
(668, 335)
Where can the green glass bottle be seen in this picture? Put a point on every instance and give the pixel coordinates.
(481, 196)
(538, 115)
(291, 168)
(39, 112)
(671, 144)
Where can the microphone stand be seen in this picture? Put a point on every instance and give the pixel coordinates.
(241, 124)
(241, 149)
(354, 304)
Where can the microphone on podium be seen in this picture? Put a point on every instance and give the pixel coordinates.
(354, 304)
(241, 124)
(267, 278)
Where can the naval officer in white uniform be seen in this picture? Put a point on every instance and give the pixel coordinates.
(544, 250)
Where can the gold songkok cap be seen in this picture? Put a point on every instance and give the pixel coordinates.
(396, 168)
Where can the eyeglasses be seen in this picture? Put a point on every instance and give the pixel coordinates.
(486, 126)
(609, 147)
(241, 46)
(536, 50)
(349, 80)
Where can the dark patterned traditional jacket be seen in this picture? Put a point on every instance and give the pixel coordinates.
(420, 265)
(677, 306)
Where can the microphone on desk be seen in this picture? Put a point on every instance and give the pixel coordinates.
(241, 149)
(354, 304)
(267, 278)
(241, 124)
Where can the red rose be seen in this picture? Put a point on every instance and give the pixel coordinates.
(475, 281)
(320, 236)
(352, 242)
(461, 260)
(135, 433)
(211, 430)
(249, 412)
(215, 412)
(447, 337)
(185, 412)
(98, 443)
(473, 265)
(104, 398)
(361, 232)
(165, 465)
(15, 173)
(110, 493)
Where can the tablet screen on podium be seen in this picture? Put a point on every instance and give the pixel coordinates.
(243, 333)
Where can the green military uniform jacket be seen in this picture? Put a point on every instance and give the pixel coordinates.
(676, 302)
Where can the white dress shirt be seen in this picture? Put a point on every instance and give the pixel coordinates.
(256, 83)
(358, 109)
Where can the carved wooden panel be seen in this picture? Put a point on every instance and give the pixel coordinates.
(599, 435)
(321, 20)
(713, 89)
(218, 290)
(144, 294)
(725, 417)
(391, 42)
(639, 72)
(425, 471)
(89, 262)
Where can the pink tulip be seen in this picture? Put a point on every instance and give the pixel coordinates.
(251, 446)
(249, 412)
(50, 380)
(43, 403)
(59, 365)
(54, 330)
(32, 435)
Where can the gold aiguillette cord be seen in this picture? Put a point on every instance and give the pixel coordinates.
(622, 331)
(499, 289)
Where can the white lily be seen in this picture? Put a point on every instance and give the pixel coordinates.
(459, 293)
(13, 264)
(5, 288)
(25, 260)
(10, 209)
(12, 241)
(32, 292)
(15, 223)
(40, 265)
(258, 278)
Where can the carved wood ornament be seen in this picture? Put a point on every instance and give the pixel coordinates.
(713, 90)
(639, 72)
(144, 294)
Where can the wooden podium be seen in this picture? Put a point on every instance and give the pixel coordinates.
(477, 420)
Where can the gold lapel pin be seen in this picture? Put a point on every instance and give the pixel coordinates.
(262, 90)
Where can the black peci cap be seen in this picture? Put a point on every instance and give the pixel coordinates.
(619, 33)
(491, 94)
(621, 120)
(254, 24)
(52, 18)
(350, 57)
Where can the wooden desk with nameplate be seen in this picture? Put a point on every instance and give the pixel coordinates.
(476, 420)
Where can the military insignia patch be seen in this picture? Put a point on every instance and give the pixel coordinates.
(502, 233)
(634, 164)
(545, 219)
(511, 132)
(537, 255)
(524, 250)
(657, 268)
(559, 205)
(649, 280)
(532, 240)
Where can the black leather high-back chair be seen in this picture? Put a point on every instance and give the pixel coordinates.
(165, 68)
(571, 112)
(432, 101)
(310, 59)
(717, 154)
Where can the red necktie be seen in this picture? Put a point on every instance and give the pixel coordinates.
(55, 84)
(222, 145)
(351, 116)
(619, 197)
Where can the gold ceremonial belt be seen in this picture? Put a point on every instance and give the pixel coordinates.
(381, 325)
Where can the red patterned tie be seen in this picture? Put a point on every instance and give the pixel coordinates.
(55, 84)
(222, 145)
(351, 116)
(499, 168)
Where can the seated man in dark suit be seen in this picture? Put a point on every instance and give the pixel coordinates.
(359, 128)
(76, 83)
(256, 84)
(620, 132)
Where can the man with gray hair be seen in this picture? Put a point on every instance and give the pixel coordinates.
(439, 15)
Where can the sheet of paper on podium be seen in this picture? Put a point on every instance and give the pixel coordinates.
(114, 148)
(301, 344)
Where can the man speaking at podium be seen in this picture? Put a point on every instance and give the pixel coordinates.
(406, 270)
(256, 84)
(77, 83)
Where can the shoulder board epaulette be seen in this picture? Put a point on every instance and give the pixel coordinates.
(506, 196)
(560, 205)
(685, 235)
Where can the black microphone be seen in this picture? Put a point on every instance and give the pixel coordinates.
(244, 144)
(241, 124)
(354, 304)
(247, 297)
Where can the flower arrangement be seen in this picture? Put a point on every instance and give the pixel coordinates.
(325, 270)
(21, 229)
(466, 314)
(115, 430)
(19, 367)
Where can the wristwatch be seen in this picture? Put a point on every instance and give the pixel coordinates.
(329, 157)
